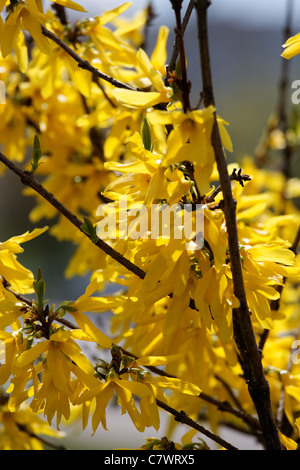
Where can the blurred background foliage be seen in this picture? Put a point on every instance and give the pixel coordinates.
(245, 43)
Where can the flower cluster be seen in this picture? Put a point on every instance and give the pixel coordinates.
(95, 144)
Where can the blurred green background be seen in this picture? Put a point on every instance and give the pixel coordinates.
(245, 41)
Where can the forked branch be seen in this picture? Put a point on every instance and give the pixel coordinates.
(243, 331)
(28, 179)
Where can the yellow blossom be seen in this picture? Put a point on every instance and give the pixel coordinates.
(142, 99)
(24, 16)
(22, 428)
(18, 277)
(291, 47)
(53, 389)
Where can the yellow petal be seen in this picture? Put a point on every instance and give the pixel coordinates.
(225, 137)
(157, 360)
(149, 411)
(127, 402)
(288, 443)
(89, 328)
(5, 369)
(99, 304)
(159, 54)
(138, 99)
(70, 4)
(150, 72)
(292, 47)
(101, 403)
(175, 384)
(21, 51)
(34, 27)
(27, 236)
(216, 238)
(183, 273)
(55, 363)
(292, 40)
(137, 388)
(73, 351)
(31, 354)
(272, 253)
(9, 33)
(175, 311)
(110, 15)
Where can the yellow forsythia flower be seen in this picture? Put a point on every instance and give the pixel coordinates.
(291, 47)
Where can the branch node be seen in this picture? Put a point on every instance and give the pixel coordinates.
(26, 177)
(182, 415)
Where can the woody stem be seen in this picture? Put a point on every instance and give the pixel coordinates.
(242, 326)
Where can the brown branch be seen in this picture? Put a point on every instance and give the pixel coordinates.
(84, 64)
(184, 85)
(101, 87)
(229, 391)
(242, 326)
(60, 13)
(221, 405)
(44, 441)
(28, 179)
(183, 418)
(175, 52)
(235, 176)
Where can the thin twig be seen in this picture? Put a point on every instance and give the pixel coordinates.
(221, 405)
(60, 12)
(235, 176)
(28, 179)
(175, 52)
(242, 326)
(183, 418)
(101, 87)
(229, 391)
(84, 64)
(177, 4)
(44, 441)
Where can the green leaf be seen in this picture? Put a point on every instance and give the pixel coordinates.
(67, 306)
(36, 154)
(178, 69)
(88, 228)
(39, 288)
(146, 134)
